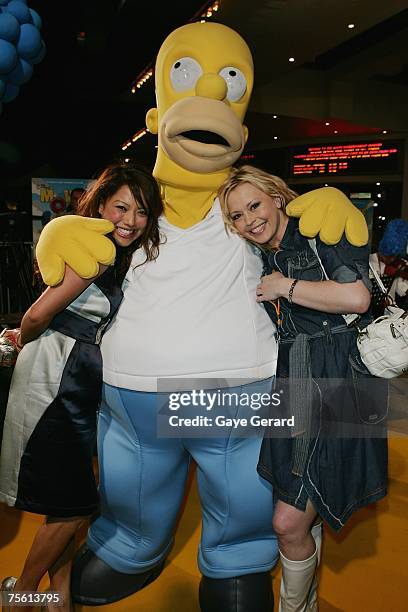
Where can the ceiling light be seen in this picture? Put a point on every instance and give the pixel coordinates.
(379, 195)
(208, 13)
(375, 204)
(275, 138)
(127, 160)
(336, 131)
(327, 123)
(378, 183)
(351, 26)
(291, 59)
(326, 184)
(275, 117)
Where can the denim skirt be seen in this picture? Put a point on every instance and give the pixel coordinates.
(346, 451)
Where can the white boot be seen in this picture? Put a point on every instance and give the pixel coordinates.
(296, 582)
(317, 533)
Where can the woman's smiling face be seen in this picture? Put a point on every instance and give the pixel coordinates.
(255, 215)
(128, 216)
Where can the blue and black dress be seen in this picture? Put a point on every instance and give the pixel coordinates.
(49, 431)
(336, 453)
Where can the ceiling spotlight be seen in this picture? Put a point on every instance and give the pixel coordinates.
(351, 26)
(127, 160)
(378, 184)
(326, 184)
(379, 195)
(275, 117)
(336, 131)
(385, 132)
(275, 138)
(375, 204)
(291, 59)
(327, 123)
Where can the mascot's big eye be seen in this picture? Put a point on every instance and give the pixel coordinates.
(236, 82)
(185, 73)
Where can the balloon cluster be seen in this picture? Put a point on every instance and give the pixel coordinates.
(21, 46)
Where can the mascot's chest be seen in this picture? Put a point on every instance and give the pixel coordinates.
(202, 258)
(192, 311)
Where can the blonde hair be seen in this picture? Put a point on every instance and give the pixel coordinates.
(272, 185)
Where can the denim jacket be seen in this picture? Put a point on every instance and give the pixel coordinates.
(295, 259)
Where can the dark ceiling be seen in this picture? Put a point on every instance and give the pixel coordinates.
(73, 115)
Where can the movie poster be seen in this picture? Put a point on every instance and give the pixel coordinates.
(52, 198)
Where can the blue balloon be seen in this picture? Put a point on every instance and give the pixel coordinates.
(36, 19)
(19, 10)
(4, 2)
(10, 93)
(8, 56)
(39, 58)
(29, 41)
(9, 27)
(21, 73)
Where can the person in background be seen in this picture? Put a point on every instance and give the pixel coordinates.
(391, 264)
(75, 196)
(49, 432)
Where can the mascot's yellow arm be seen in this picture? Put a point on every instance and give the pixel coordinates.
(77, 241)
(329, 213)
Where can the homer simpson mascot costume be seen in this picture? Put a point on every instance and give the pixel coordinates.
(191, 313)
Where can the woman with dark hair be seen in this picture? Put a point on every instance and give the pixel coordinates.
(49, 433)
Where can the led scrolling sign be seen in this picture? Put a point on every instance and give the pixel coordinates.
(341, 159)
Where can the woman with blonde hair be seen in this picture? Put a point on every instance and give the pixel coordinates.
(314, 470)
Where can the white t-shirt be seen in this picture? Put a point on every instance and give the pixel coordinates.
(191, 313)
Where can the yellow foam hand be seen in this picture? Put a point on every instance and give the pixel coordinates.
(76, 241)
(328, 212)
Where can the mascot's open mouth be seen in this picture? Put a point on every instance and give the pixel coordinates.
(205, 137)
(201, 135)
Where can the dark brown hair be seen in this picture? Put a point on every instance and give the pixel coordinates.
(146, 192)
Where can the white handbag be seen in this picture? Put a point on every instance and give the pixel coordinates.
(383, 344)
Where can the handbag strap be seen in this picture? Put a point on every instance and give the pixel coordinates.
(378, 279)
(349, 318)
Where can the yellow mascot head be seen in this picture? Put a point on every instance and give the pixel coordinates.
(204, 79)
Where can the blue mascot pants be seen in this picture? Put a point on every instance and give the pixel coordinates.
(142, 481)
